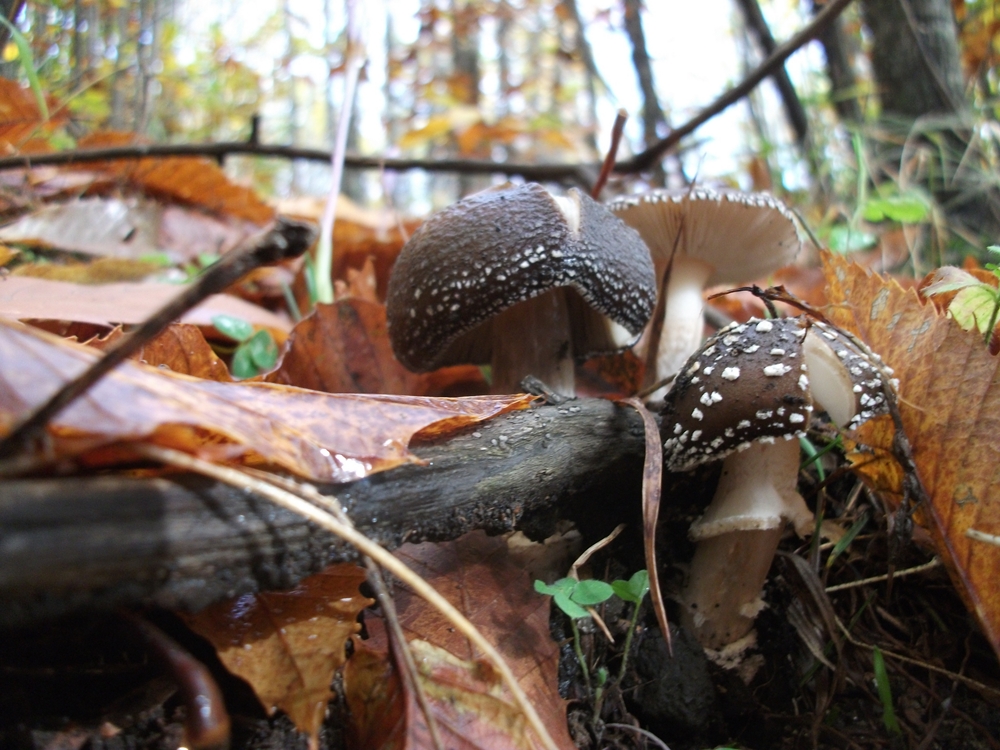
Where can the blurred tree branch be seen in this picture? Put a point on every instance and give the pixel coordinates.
(579, 174)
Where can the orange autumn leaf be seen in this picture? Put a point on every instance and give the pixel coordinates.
(190, 179)
(289, 644)
(20, 119)
(180, 348)
(949, 402)
(322, 437)
(470, 704)
(344, 348)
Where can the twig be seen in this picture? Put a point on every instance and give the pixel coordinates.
(327, 521)
(645, 159)
(579, 174)
(609, 160)
(878, 579)
(284, 239)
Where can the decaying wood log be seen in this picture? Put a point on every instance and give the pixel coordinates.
(85, 543)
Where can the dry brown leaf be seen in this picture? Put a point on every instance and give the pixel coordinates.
(361, 283)
(7, 254)
(180, 348)
(24, 298)
(322, 437)
(20, 119)
(344, 348)
(949, 401)
(99, 271)
(289, 644)
(472, 709)
(193, 180)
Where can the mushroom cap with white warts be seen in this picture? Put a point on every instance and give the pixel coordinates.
(742, 235)
(747, 384)
(485, 253)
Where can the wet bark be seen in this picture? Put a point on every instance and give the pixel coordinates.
(89, 544)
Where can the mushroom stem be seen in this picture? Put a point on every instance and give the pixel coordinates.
(533, 338)
(737, 538)
(683, 318)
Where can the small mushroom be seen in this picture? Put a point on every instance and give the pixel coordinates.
(745, 397)
(721, 237)
(522, 280)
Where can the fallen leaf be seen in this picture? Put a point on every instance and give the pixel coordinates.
(344, 348)
(289, 644)
(94, 226)
(323, 437)
(180, 348)
(472, 708)
(949, 402)
(7, 254)
(99, 271)
(20, 118)
(25, 298)
(361, 283)
(193, 180)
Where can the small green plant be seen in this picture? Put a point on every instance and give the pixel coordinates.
(885, 693)
(572, 596)
(977, 304)
(255, 353)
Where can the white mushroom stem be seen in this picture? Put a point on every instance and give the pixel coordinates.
(683, 317)
(533, 338)
(737, 538)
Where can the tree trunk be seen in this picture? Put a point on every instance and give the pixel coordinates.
(840, 71)
(652, 113)
(915, 59)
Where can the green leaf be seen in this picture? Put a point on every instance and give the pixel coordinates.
(974, 307)
(634, 589)
(263, 350)
(884, 692)
(242, 365)
(906, 208)
(235, 328)
(846, 539)
(571, 608)
(591, 592)
(842, 239)
(562, 586)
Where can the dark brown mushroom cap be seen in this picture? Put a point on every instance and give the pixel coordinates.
(496, 248)
(747, 383)
(741, 235)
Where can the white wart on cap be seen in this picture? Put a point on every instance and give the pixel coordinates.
(721, 237)
(503, 247)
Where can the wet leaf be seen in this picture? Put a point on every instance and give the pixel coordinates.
(471, 706)
(319, 436)
(23, 298)
(288, 645)
(950, 408)
(344, 348)
(180, 348)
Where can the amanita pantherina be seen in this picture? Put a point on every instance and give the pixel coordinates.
(721, 237)
(520, 279)
(745, 397)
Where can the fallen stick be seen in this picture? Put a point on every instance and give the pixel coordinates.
(91, 543)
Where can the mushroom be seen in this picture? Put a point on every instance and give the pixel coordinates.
(522, 280)
(721, 237)
(745, 397)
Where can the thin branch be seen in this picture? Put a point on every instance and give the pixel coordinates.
(580, 174)
(644, 160)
